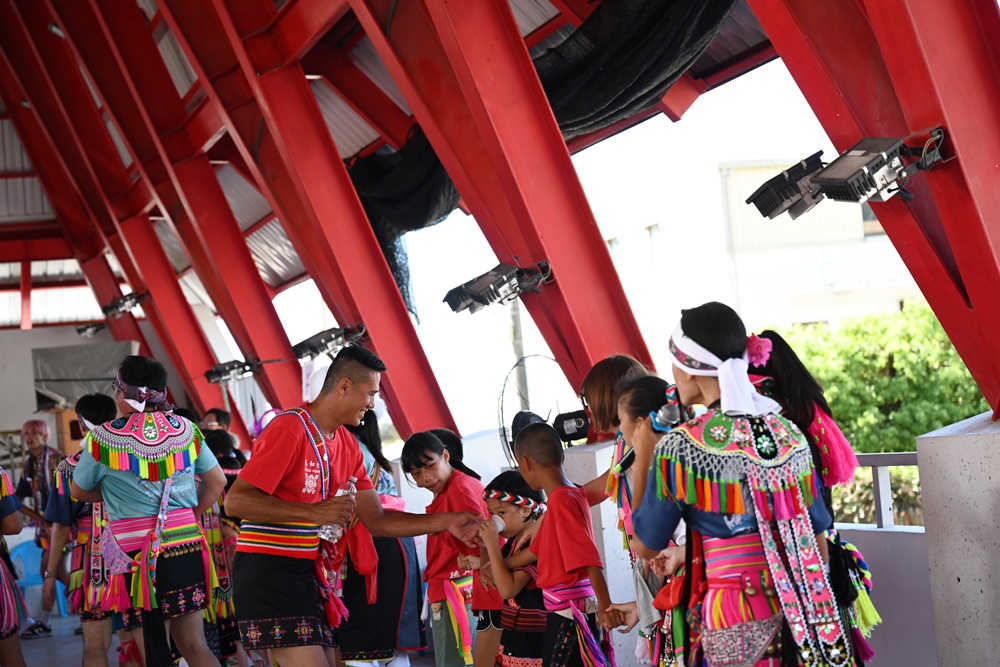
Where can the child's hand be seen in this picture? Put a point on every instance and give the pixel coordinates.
(667, 562)
(486, 576)
(610, 618)
(629, 615)
(489, 534)
(468, 562)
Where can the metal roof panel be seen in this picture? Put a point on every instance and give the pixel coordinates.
(368, 61)
(350, 131)
(274, 254)
(532, 14)
(248, 204)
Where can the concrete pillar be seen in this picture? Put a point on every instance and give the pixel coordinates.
(960, 480)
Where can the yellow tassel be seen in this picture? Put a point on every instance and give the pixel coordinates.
(868, 616)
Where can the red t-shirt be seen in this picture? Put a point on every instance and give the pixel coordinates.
(565, 541)
(284, 462)
(462, 493)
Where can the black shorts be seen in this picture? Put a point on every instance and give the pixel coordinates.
(489, 618)
(278, 603)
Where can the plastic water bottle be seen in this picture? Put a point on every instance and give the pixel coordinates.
(331, 532)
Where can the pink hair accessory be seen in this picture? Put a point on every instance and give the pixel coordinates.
(758, 350)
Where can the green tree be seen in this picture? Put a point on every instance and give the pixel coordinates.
(889, 377)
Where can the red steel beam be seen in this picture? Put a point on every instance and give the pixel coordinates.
(80, 174)
(107, 287)
(466, 74)
(25, 296)
(166, 295)
(300, 24)
(38, 250)
(942, 59)
(276, 124)
(825, 46)
(360, 92)
(198, 206)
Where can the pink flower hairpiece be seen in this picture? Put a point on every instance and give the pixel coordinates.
(758, 350)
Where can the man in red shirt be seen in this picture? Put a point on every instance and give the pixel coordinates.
(286, 491)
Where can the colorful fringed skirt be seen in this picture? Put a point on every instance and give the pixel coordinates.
(741, 611)
(12, 608)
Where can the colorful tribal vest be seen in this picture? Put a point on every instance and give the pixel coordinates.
(151, 445)
(713, 462)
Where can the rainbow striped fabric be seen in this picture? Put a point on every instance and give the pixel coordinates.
(292, 540)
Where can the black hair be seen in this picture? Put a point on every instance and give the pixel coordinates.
(717, 328)
(96, 408)
(642, 395)
(369, 434)
(187, 414)
(143, 372)
(794, 386)
(541, 444)
(353, 362)
(511, 481)
(456, 451)
(223, 446)
(222, 416)
(418, 449)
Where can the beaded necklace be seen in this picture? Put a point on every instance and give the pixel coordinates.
(317, 439)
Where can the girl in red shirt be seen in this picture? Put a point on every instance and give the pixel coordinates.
(428, 462)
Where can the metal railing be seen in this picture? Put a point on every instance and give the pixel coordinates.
(880, 464)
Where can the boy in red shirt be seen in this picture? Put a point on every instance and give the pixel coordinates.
(570, 572)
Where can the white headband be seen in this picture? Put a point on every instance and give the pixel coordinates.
(86, 423)
(738, 395)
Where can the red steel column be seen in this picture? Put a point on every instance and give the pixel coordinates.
(167, 297)
(942, 235)
(106, 287)
(275, 121)
(183, 176)
(467, 75)
(25, 296)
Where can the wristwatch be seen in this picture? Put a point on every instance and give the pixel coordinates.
(47, 575)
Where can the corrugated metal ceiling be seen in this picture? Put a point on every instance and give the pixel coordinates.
(739, 34)
(21, 198)
(274, 254)
(248, 204)
(532, 14)
(351, 133)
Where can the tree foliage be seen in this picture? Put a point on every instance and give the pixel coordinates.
(889, 377)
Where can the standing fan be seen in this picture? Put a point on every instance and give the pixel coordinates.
(536, 384)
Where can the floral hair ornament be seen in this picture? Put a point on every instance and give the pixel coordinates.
(738, 395)
(513, 499)
(758, 350)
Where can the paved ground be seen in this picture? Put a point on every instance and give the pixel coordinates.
(64, 648)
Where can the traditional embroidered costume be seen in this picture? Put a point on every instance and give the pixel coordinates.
(283, 576)
(88, 574)
(153, 547)
(743, 478)
(524, 620)
(36, 483)
(12, 609)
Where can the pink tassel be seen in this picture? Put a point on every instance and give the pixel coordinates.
(862, 648)
(836, 454)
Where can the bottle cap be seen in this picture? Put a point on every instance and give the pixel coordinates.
(352, 480)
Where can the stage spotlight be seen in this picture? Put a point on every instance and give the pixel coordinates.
(123, 304)
(88, 330)
(327, 342)
(874, 169)
(231, 370)
(504, 283)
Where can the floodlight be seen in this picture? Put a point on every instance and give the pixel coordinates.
(231, 370)
(327, 342)
(123, 304)
(500, 285)
(874, 169)
(88, 330)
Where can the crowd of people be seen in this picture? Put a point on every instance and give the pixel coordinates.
(303, 554)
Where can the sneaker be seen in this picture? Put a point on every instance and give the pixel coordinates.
(35, 630)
